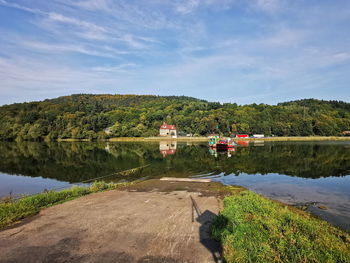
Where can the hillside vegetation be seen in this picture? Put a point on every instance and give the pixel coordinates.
(86, 116)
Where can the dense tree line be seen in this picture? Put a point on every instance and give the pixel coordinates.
(86, 116)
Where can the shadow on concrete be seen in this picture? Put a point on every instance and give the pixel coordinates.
(59, 252)
(66, 250)
(205, 218)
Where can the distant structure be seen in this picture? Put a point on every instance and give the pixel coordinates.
(168, 130)
(242, 136)
(346, 133)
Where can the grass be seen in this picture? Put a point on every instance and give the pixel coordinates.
(11, 211)
(252, 228)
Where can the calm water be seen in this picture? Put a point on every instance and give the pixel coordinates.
(292, 172)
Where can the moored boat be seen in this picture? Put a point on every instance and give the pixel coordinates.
(213, 140)
(225, 143)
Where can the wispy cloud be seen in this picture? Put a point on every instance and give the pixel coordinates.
(94, 4)
(85, 29)
(270, 5)
(284, 37)
(76, 22)
(186, 7)
(189, 6)
(126, 68)
(251, 51)
(62, 48)
(21, 7)
(22, 78)
(128, 13)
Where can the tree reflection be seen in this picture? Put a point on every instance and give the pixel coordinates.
(75, 162)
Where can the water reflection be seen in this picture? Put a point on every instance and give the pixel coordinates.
(215, 152)
(167, 148)
(258, 143)
(290, 171)
(243, 143)
(75, 162)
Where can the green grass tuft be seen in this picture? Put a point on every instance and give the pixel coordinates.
(12, 211)
(255, 229)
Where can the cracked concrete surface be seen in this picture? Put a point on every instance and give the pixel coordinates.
(118, 226)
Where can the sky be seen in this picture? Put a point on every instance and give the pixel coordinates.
(241, 51)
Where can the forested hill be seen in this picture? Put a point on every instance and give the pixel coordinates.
(85, 116)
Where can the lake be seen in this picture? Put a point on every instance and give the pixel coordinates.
(313, 173)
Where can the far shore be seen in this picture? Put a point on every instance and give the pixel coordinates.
(205, 139)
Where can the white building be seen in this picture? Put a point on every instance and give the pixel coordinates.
(168, 130)
(258, 135)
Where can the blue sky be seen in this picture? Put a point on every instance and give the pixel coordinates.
(243, 51)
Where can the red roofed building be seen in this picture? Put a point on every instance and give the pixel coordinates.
(242, 136)
(168, 130)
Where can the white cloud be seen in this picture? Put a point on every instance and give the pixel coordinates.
(340, 57)
(270, 5)
(188, 6)
(73, 21)
(125, 14)
(284, 37)
(122, 68)
(30, 79)
(62, 48)
(94, 4)
(85, 29)
(132, 41)
(184, 46)
(91, 31)
(17, 6)
(327, 59)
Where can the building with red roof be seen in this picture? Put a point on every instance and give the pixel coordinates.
(168, 130)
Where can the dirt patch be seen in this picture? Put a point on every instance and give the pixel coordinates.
(205, 189)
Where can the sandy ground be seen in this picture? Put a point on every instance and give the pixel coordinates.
(155, 224)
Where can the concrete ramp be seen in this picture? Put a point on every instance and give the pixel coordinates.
(120, 226)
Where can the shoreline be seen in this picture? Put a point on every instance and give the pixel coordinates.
(167, 184)
(205, 139)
